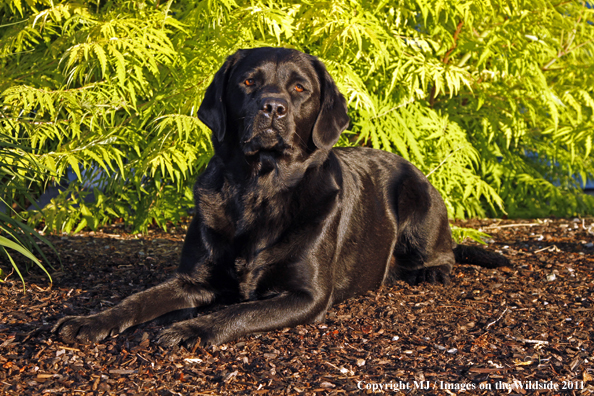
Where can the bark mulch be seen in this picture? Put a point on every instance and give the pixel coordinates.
(527, 329)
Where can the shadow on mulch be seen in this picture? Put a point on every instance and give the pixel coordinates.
(521, 330)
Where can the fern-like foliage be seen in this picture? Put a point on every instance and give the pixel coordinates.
(20, 174)
(492, 99)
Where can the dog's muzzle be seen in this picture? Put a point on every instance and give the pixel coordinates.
(266, 135)
(268, 140)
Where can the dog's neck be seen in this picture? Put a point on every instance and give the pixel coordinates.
(273, 174)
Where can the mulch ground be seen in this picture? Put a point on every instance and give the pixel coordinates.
(527, 329)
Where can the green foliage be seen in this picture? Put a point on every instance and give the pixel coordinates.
(460, 234)
(18, 172)
(469, 91)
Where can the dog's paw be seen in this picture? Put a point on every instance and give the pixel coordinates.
(439, 274)
(83, 329)
(187, 333)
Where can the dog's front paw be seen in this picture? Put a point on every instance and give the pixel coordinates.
(437, 274)
(84, 329)
(188, 333)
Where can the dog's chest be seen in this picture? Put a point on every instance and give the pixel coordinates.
(246, 219)
(253, 279)
(246, 280)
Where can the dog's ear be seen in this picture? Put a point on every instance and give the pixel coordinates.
(212, 111)
(333, 117)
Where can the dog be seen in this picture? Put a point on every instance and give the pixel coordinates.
(285, 225)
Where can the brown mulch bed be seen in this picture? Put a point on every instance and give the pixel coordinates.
(519, 330)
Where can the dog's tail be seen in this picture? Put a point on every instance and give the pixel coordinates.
(475, 255)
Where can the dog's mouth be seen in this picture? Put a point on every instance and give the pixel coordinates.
(267, 143)
(272, 153)
(264, 160)
(275, 152)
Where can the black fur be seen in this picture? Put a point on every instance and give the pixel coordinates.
(286, 226)
(475, 255)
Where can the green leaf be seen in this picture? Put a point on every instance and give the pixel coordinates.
(15, 246)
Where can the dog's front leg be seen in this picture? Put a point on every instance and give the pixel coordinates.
(285, 310)
(141, 307)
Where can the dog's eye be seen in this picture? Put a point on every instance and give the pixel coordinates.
(299, 88)
(249, 82)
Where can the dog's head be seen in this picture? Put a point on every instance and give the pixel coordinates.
(273, 102)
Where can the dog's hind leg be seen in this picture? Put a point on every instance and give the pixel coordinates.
(423, 248)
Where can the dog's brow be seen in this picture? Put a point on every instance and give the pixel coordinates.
(295, 75)
(253, 72)
(291, 74)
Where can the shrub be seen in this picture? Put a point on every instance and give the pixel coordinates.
(19, 171)
(492, 99)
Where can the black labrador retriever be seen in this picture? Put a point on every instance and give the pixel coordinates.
(286, 226)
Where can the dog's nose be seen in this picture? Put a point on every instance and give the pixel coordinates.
(274, 107)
